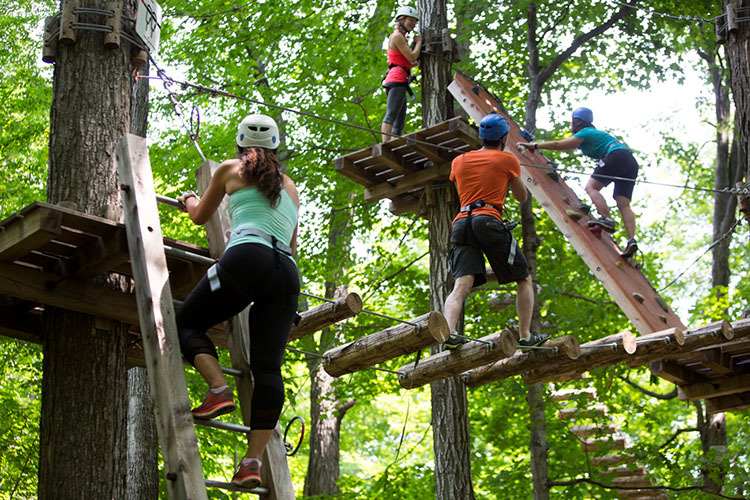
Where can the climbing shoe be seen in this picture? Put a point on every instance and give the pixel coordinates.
(604, 222)
(630, 248)
(453, 342)
(215, 405)
(534, 340)
(248, 475)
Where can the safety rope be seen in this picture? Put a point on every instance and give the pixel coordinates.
(723, 237)
(669, 16)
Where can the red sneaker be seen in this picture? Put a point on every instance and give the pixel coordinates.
(215, 405)
(248, 475)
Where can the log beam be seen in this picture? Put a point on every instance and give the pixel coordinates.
(734, 402)
(449, 363)
(715, 388)
(592, 411)
(561, 348)
(635, 480)
(424, 331)
(25, 232)
(568, 394)
(672, 371)
(592, 430)
(410, 182)
(325, 315)
(626, 471)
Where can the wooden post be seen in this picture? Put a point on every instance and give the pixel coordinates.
(112, 40)
(449, 363)
(566, 348)
(158, 327)
(424, 331)
(49, 50)
(67, 18)
(275, 471)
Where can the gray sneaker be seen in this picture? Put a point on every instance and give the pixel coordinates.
(605, 223)
(534, 340)
(630, 248)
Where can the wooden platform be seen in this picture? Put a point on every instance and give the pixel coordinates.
(719, 374)
(399, 169)
(47, 253)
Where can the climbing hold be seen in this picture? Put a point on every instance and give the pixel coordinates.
(573, 214)
(584, 208)
(596, 230)
(640, 298)
(663, 318)
(475, 89)
(553, 176)
(528, 137)
(662, 303)
(566, 200)
(620, 265)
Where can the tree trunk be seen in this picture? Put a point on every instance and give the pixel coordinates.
(143, 441)
(449, 404)
(84, 382)
(326, 410)
(737, 49)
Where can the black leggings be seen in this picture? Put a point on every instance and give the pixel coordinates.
(272, 282)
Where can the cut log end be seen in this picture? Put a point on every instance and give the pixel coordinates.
(438, 327)
(726, 330)
(628, 342)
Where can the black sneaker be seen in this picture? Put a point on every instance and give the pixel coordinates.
(453, 342)
(534, 340)
(630, 248)
(604, 222)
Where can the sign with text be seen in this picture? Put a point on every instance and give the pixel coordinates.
(148, 23)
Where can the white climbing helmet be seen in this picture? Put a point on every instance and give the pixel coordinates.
(406, 11)
(258, 131)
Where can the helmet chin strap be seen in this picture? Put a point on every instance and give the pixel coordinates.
(402, 28)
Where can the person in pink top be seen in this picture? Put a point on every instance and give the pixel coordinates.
(401, 58)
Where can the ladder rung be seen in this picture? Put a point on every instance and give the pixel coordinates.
(166, 200)
(225, 426)
(231, 371)
(210, 483)
(183, 254)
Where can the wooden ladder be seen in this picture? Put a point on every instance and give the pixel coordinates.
(174, 421)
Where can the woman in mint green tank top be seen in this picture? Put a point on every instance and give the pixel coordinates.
(615, 163)
(257, 267)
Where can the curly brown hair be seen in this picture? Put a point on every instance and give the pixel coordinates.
(260, 165)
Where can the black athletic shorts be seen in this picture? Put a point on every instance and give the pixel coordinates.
(618, 163)
(488, 236)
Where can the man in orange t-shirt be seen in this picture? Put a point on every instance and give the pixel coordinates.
(482, 179)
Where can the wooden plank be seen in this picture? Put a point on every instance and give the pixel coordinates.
(591, 411)
(325, 315)
(432, 154)
(717, 361)
(733, 402)
(28, 232)
(672, 371)
(600, 254)
(20, 325)
(384, 154)
(612, 459)
(625, 470)
(466, 133)
(635, 480)
(346, 167)
(101, 255)
(275, 471)
(424, 331)
(405, 204)
(655, 493)
(568, 394)
(608, 443)
(592, 430)
(409, 183)
(465, 357)
(715, 388)
(157, 319)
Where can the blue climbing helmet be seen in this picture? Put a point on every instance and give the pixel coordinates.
(584, 114)
(493, 127)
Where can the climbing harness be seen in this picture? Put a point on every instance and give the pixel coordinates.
(507, 226)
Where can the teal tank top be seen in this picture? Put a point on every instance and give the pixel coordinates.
(250, 209)
(596, 143)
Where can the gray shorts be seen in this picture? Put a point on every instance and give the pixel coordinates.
(488, 236)
(395, 108)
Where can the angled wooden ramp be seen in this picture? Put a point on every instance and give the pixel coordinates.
(627, 285)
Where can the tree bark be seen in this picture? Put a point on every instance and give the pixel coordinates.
(326, 409)
(737, 49)
(83, 431)
(449, 404)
